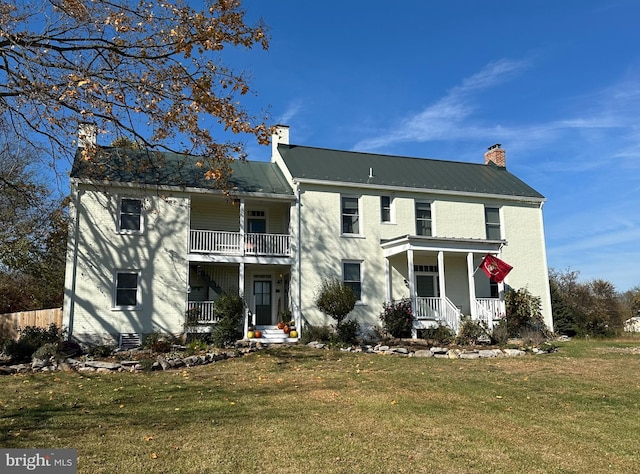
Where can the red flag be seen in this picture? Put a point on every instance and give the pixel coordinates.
(495, 268)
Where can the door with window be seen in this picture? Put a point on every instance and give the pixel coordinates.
(262, 301)
(427, 288)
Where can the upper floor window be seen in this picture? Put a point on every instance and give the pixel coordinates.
(352, 277)
(423, 218)
(257, 222)
(130, 215)
(492, 223)
(126, 290)
(385, 208)
(350, 215)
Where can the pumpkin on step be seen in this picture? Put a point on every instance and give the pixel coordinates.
(286, 329)
(258, 334)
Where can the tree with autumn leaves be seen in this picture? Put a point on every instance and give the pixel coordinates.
(149, 71)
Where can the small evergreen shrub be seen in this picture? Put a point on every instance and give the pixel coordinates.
(229, 308)
(348, 332)
(397, 318)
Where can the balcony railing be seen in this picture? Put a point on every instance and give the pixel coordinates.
(231, 243)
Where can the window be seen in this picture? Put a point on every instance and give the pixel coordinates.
(423, 218)
(494, 290)
(385, 208)
(492, 222)
(127, 289)
(351, 277)
(350, 215)
(257, 222)
(130, 219)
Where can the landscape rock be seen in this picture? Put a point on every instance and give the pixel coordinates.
(423, 353)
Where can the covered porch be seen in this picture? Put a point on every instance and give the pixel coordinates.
(440, 277)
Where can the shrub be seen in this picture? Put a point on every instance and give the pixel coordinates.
(101, 350)
(441, 334)
(69, 349)
(196, 345)
(315, 333)
(524, 313)
(397, 318)
(500, 333)
(335, 299)
(31, 338)
(46, 351)
(229, 308)
(471, 332)
(348, 332)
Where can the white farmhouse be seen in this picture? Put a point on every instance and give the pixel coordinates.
(151, 239)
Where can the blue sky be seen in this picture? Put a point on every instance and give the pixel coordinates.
(557, 83)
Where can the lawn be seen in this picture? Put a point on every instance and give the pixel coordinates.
(297, 409)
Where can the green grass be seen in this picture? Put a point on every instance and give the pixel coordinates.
(303, 410)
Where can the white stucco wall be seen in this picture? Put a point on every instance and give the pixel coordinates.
(159, 253)
(323, 248)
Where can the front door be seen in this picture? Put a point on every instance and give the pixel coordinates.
(262, 299)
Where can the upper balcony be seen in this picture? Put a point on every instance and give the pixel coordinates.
(234, 243)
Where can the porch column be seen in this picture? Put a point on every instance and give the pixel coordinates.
(441, 282)
(387, 280)
(472, 286)
(412, 290)
(242, 246)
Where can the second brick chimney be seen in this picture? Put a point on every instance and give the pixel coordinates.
(496, 155)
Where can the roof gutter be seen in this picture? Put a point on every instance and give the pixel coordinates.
(447, 192)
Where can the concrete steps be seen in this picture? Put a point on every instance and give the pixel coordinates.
(273, 335)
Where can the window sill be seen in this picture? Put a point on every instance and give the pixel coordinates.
(126, 308)
(353, 236)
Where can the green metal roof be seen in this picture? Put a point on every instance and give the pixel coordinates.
(128, 165)
(306, 163)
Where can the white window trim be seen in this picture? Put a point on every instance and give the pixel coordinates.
(500, 218)
(118, 216)
(360, 219)
(138, 304)
(361, 301)
(432, 211)
(392, 214)
(248, 216)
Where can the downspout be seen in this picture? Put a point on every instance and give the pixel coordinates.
(298, 261)
(72, 296)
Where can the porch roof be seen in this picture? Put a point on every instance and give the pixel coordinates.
(405, 243)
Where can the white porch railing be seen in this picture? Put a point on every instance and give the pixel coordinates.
(203, 312)
(230, 243)
(489, 310)
(438, 309)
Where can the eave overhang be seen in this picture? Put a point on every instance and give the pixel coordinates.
(402, 244)
(409, 189)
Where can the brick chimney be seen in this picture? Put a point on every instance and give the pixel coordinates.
(496, 155)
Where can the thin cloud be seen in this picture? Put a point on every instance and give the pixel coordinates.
(443, 119)
(293, 109)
